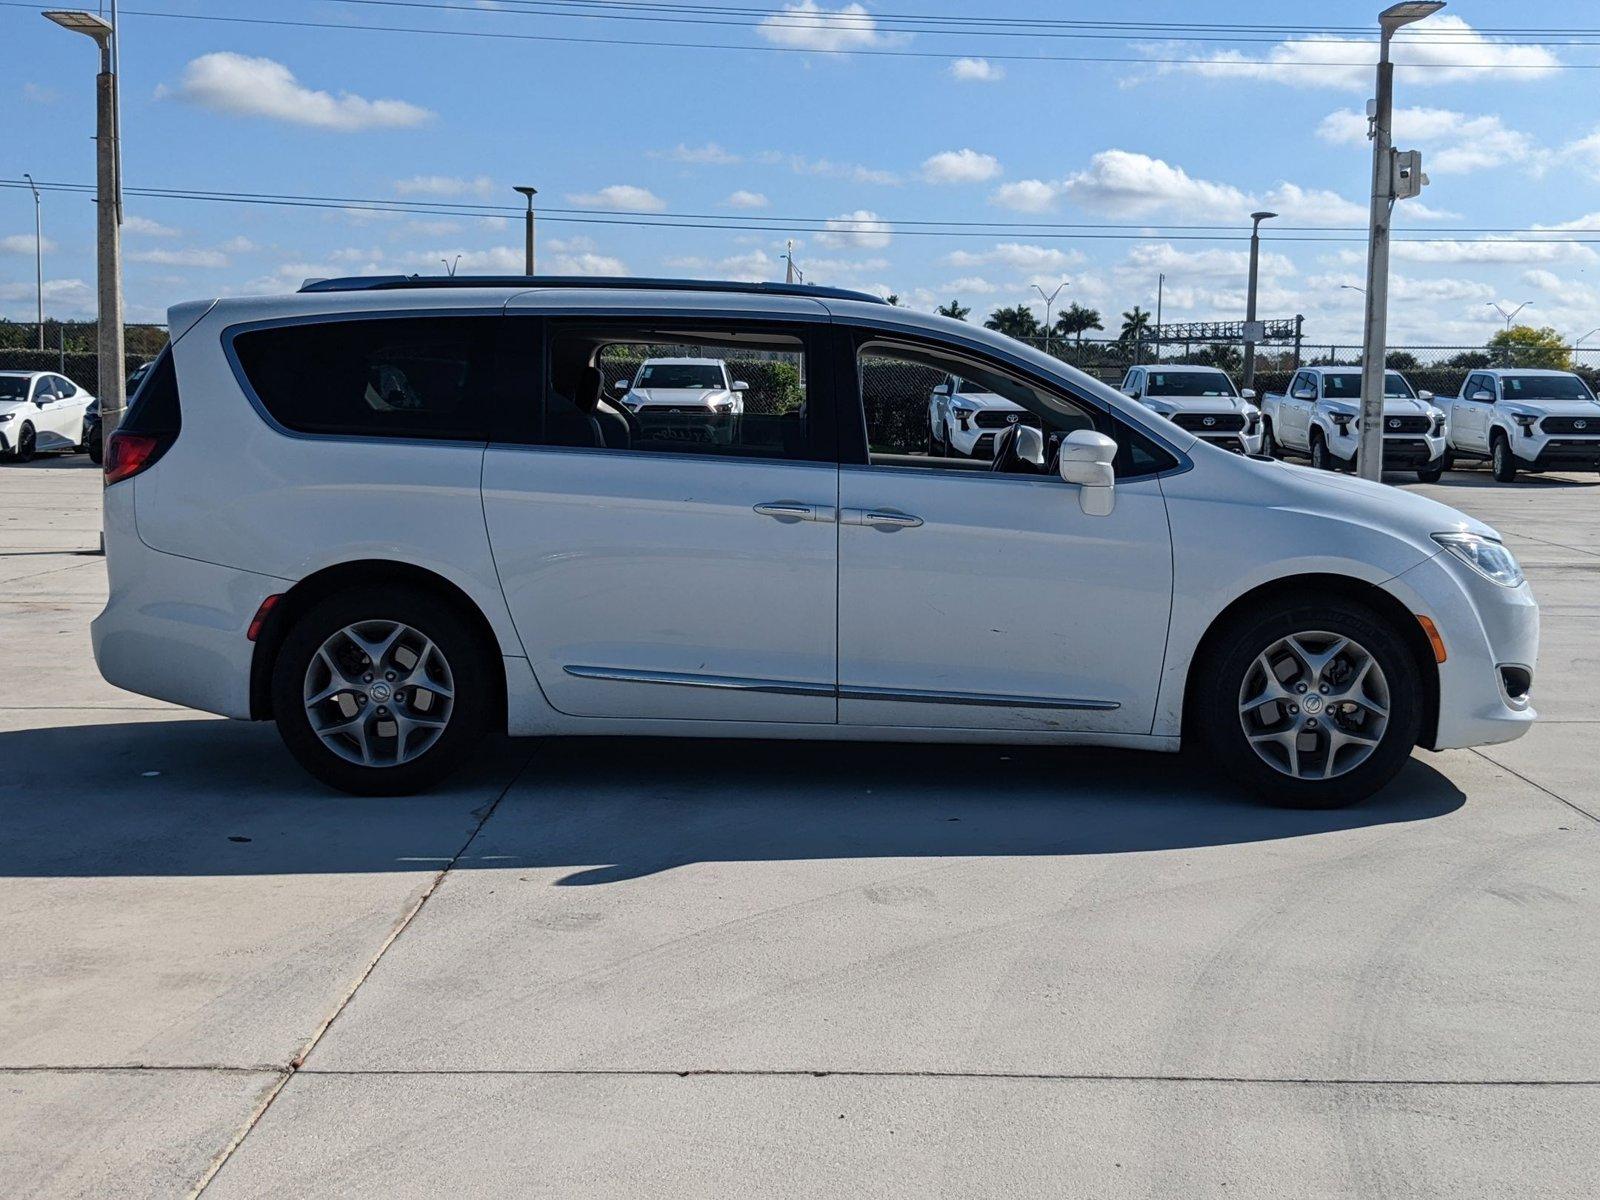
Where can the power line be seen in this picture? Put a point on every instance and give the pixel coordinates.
(872, 51)
(1142, 231)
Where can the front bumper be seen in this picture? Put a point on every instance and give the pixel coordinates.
(1236, 443)
(1486, 628)
(1554, 452)
(1401, 451)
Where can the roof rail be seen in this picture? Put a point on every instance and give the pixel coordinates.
(381, 283)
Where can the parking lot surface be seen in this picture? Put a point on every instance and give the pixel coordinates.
(642, 968)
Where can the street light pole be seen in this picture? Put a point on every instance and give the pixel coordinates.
(1049, 302)
(1250, 298)
(1511, 316)
(1161, 286)
(38, 256)
(527, 228)
(108, 214)
(1374, 352)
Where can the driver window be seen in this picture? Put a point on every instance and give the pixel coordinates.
(929, 408)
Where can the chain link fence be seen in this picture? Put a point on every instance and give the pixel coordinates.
(72, 348)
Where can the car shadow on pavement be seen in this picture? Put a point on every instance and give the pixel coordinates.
(212, 797)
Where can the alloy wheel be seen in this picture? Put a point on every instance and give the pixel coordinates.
(379, 693)
(1314, 705)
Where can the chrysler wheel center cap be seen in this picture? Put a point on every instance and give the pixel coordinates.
(380, 692)
(1312, 705)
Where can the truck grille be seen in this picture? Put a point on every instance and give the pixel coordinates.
(1209, 422)
(1393, 425)
(999, 420)
(1588, 425)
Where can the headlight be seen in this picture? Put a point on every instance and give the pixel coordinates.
(1484, 555)
(1438, 423)
(1342, 419)
(1252, 421)
(1526, 421)
(4, 417)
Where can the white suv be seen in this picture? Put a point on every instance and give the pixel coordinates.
(679, 385)
(1320, 417)
(965, 419)
(1526, 420)
(1202, 400)
(393, 514)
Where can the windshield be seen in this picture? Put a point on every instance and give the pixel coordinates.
(1544, 387)
(966, 387)
(1347, 386)
(13, 387)
(1189, 383)
(680, 375)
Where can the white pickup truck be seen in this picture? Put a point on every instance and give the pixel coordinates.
(1201, 400)
(1526, 420)
(1320, 417)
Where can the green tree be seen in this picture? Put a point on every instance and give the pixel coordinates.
(1468, 360)
(1218, 354)
(1018, 322)
(1525, 346)
(1076, 321)
(1404, 360)
(892, 298)
(1135, 324)
(954, 309)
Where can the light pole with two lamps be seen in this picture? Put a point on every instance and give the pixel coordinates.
(1511, 316)
(1049, 302)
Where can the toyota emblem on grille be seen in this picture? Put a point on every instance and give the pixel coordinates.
(1011, 418)
(1394, 423)
(1580, 424)
(1210, 421)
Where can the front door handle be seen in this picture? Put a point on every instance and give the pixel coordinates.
(885, 518)
(793, 510)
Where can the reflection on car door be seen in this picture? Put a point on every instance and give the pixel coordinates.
(673, 579)
(973, 599)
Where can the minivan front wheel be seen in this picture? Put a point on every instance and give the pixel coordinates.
(1314, 707)
(381, 691)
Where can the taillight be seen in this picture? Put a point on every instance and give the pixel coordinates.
(127, 454)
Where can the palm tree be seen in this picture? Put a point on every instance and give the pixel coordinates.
(1018, 322)
(1135, 325)
(1077, 320)
(954, 309)
(892, 298)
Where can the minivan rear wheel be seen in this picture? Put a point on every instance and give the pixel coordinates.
(381, 690)
(1313, 706)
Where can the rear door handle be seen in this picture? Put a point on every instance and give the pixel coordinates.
(792, 510)
(887, 518)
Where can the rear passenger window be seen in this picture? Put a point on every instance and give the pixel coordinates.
(410, 377)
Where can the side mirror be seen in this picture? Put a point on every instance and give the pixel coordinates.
(1247, 393)
(1483, 397)
(622, 385)
(1304, 393)
(1424, 395)
(1086, 458)
(1132, 393)
(740, 385)
(941, 389)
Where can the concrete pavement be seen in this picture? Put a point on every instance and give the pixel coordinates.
(596, 968)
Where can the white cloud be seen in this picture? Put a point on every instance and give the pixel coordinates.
(1456, 142)
(709, 154)
(1018, 256)
(22, 243)
(444, 185)
(976, 70)
(37, 93)
(960, 166)
(575, 256)
(1148, 259)
(430, 228)
(620, 196)
(745, 199)
(972, 285)
(1127, 184)
(261, 87)
(752, 266)
(1492, 251)
(145, 227)
(854, 172)
(62, 297)
(1450, 49)
(1027, 195)
(1312, 206)
(1585, 152)
(861, 228)
(808, 26)
(194, 257)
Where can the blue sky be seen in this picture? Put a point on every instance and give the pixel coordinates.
(831, 129)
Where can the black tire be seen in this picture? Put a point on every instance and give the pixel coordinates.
(1269, 444)
(96, 447)
(1432, 472)
(1321, 456)
(1214, 707)
(27, 443)
(1502, 463)
(469, 663)
(936, 445)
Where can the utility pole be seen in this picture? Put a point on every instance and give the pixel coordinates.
(527, 228)
(1250, 297)
(1385, 170)
(1049, 304)
(38, 256)
(108, 213)
(788, 261)
(1161, 287)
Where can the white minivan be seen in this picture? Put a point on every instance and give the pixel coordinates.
(392, 514)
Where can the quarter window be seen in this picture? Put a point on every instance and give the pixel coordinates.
(410, 377)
